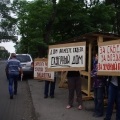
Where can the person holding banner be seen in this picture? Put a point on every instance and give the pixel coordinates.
(74, 84)
(50, 85)
(113, 97)
(99, 89)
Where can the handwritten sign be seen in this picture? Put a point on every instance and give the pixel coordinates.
(40, 70)
(109, 58)
(65, 57)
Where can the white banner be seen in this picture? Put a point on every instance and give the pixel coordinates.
(67, 56)
(40, 70)
(109, 58)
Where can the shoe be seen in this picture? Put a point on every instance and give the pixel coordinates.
(45, 96)
(106, 119)
(52, 96)
(68, 106)
(80, 107)
(11, 96)
(96, 116)
(15, 93)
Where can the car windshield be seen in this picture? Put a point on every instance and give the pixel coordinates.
(23, 58)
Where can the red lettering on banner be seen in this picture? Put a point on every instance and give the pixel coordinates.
(99, 66)
(38, 69)
(108, 49)
(44, 75)
(113, 49)
(118, 66)
(102, 50)
(103, 58)
(103, 66)
(109, 57)
(109, 66)
(39, 64)
(45, 69)
(46, 63)
(118, 48)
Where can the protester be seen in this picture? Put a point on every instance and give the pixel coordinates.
(13, 69)
(113, 97)
(99, 87)
(74, 84)
(50, 87)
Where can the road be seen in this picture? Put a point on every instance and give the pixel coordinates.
(21, 107)
(30, 104)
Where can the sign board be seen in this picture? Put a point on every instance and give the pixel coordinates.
(67, 57)
(109, 58)
(40, 70)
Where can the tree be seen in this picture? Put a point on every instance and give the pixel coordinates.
(102, 17)
(33, 19)
(116, 5)
(7, 24)
(41, 24)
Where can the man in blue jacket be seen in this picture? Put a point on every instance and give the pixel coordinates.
(13, 69)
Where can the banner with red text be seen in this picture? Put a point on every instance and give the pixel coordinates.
(109, 58)
(40, 70)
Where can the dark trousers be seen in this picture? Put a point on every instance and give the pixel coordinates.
(13, 79)
(99, 100)
(74, 84)
(49, 85)
(113, 96)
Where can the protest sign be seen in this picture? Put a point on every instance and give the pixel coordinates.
(109, 58)
(40, 70)
(66, 57)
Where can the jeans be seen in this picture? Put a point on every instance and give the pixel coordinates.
(13, 78)
(52, 88)
(113, 95)
(99, 100)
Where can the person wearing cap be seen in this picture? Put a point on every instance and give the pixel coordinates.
(13, 69)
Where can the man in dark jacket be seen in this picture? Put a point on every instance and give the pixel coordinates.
(113, 96)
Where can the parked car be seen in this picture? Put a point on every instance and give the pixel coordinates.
(27, 64)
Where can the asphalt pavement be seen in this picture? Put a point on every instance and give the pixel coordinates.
(55, 108)
(29, 103)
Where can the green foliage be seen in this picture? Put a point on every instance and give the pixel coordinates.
(41, 24)
(116, 24)
(8, 23)
(102, 17)
(72, 20)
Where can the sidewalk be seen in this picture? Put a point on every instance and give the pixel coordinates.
(55, 108)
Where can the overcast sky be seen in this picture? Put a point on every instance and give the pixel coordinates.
(8, 46)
